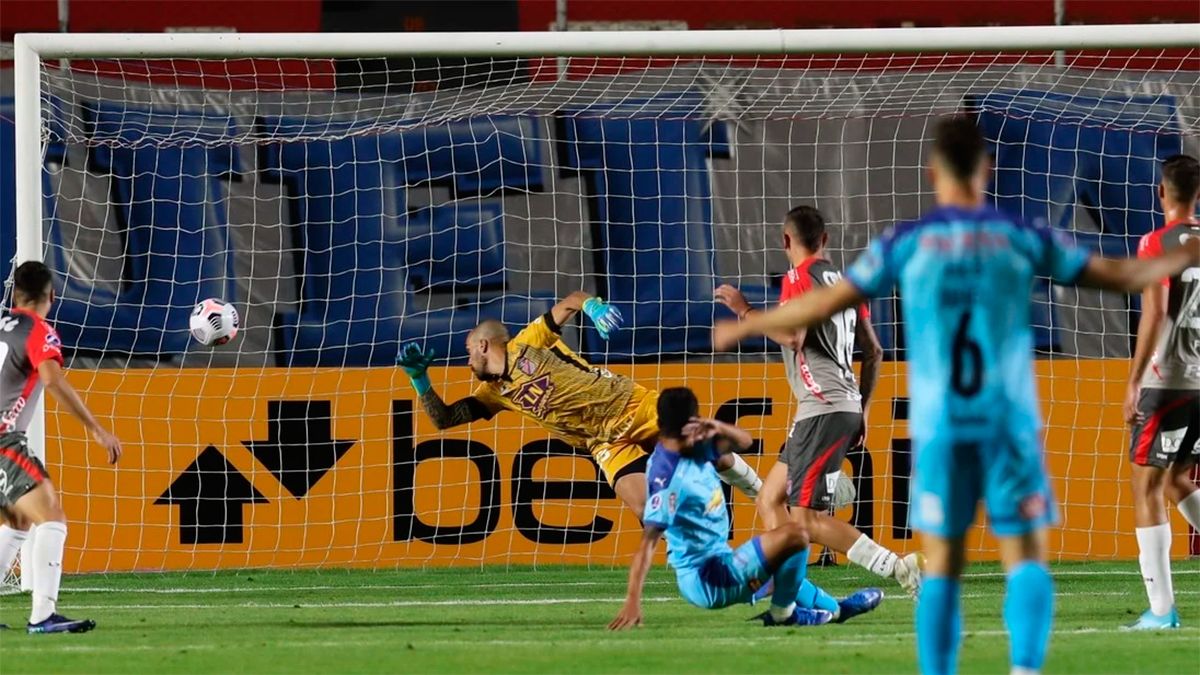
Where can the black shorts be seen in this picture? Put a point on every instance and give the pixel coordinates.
(1169, 430)
(20, 471)
(814, 453)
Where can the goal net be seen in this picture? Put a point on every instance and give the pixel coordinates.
(348, 202)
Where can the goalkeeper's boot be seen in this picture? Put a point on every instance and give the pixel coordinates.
(799, 617)
(57, 623)
(859, 602)
(907, 572)
(1151, 621)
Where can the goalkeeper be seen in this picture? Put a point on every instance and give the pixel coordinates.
(534, 373)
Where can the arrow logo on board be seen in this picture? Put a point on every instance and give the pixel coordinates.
(210, 494)
(300, 448)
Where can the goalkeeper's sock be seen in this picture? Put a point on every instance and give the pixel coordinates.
(47, 563)
(1189, 506)
(866, 553)
(788, 581)
(742, 477)
(10, 545)
(1154, 556)
(1029, 614)
(812, 596)
(939, 625)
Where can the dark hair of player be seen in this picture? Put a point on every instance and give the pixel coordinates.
(676, 406)
(32, 282)
(1181, 175)
(960, 146)
(807, 225)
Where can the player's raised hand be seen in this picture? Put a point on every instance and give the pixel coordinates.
(732, 298)
(630, 616)
(699, 429)
(726, 334)
(414, 360)
(606, 317)
(110, 442)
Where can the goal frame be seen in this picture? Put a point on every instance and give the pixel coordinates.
(31, 49)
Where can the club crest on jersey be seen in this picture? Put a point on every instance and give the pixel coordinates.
(533, 395)
(526, 366)
(655, 501)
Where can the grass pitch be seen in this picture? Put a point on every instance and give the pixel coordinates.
(552, 621)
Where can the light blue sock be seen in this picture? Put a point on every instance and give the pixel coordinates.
(813, 597)
(939, 625)
(789, 578)
(1029, 614)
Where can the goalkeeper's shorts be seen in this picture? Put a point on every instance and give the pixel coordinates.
(629, 453)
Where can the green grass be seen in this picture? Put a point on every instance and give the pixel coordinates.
(552, 620)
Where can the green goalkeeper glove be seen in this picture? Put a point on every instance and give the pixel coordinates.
(415, 363)
(606, 317)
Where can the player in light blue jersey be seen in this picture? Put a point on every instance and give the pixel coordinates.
(687, 504)
(965, 273)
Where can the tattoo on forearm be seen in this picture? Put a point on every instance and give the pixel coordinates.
(446, 416)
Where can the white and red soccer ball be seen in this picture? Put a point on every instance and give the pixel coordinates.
(213, 322)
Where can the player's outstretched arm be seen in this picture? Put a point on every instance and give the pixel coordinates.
(55, 380)
(1154, 307)
(605, 317)
(732, 298)
(811, 308)
(630, 615)
(415, 362)
(1130, 275)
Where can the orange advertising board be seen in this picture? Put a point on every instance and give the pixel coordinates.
(328, 467)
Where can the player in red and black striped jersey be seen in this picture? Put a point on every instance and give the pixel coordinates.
(829, 421)
(1162, 399)
(30, 359)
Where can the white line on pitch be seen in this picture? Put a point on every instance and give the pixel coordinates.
(624, 639)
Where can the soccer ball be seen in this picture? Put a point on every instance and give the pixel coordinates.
(213, 322)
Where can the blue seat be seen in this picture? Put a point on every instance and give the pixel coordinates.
(165, 168)
(1040, 172)
(365, 254)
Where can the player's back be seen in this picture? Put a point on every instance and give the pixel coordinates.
(686, 500)
(1176, 360)
(965, 278)
(26, 340)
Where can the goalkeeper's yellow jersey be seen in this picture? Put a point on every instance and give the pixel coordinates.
(547, 382)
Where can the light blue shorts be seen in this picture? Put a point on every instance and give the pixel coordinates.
(951, 476)
(725, 579)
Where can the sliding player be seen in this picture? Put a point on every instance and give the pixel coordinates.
(31, 358)
(536, 374)
(687, 505)
(966, 274)
(1162, 402)
(831, 405)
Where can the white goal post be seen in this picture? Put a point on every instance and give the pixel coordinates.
(895, 77)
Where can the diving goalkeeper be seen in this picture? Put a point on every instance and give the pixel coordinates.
(536, 374)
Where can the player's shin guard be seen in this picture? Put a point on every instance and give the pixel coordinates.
(813, 597)
(1029, 614)
(27, 559)
(939, 625)
(47, 564)
(788, 581)
(10, 544)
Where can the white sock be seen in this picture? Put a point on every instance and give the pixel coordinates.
(782, 613)
(27, 560)
(742, 477)
(1190, 508)
(10, 544)
(1018, 670)
(866, 553)
(47, 561)
(1154, 546)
